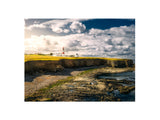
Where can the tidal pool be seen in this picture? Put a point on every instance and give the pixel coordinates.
(129, 76)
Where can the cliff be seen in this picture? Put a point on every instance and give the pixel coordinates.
(58, 65)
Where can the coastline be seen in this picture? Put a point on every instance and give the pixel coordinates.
(77, 84)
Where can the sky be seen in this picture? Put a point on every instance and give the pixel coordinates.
(88, 37)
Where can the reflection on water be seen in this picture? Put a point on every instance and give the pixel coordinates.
(119, 76)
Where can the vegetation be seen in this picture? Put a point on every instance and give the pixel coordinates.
(34, 57)
(39, 94)
(87, 71)
(88, 89)
(59, 82)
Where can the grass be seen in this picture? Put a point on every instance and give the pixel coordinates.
(35, 57)
(38, 94)
(87, 71)
(59, 82)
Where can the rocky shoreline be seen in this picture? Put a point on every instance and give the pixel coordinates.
(84, 86)
(39, 80)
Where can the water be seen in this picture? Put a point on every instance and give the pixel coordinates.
(119, 76)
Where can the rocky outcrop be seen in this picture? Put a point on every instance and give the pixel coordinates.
(68, 63)
(119, 63)
(87, 87)
(130, 63)
(38, 66)
(53, 66)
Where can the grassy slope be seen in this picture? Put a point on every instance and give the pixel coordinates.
(47, 57)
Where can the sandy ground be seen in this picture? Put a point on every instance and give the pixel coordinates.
(40, 80)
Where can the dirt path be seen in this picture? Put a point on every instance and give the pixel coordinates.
(40, 80)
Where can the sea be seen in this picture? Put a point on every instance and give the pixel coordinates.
(121, 76)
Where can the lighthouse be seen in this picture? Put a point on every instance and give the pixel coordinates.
(63, 51)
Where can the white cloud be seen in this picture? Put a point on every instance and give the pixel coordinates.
(113, 42)
(96, 31)
(66, 26)
(61, 26)
(56, 28)
(66, 31)
(117, 40)
(35, 26)
(77, 27)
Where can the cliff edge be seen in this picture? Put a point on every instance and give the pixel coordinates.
(59, 65)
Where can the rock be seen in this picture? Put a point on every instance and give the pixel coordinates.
(116, 92)
(67, 63)
(109, 63)
(109, 85)
(91, 83)
(120, 64)
(59, 68)
(130, 63)
(127, 89)
(89, 62)
(101, 86)
(111, 89)
(52, 65)
(33, 66)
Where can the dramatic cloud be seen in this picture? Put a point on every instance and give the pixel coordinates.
(77, 27)
(61, 26)
(113, 42)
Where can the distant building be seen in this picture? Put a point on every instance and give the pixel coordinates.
(62, 53)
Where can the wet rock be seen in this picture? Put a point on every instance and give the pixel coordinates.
(108, 93)
(111, 89)
(116, 92)
(126, 89)
(93, 83)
